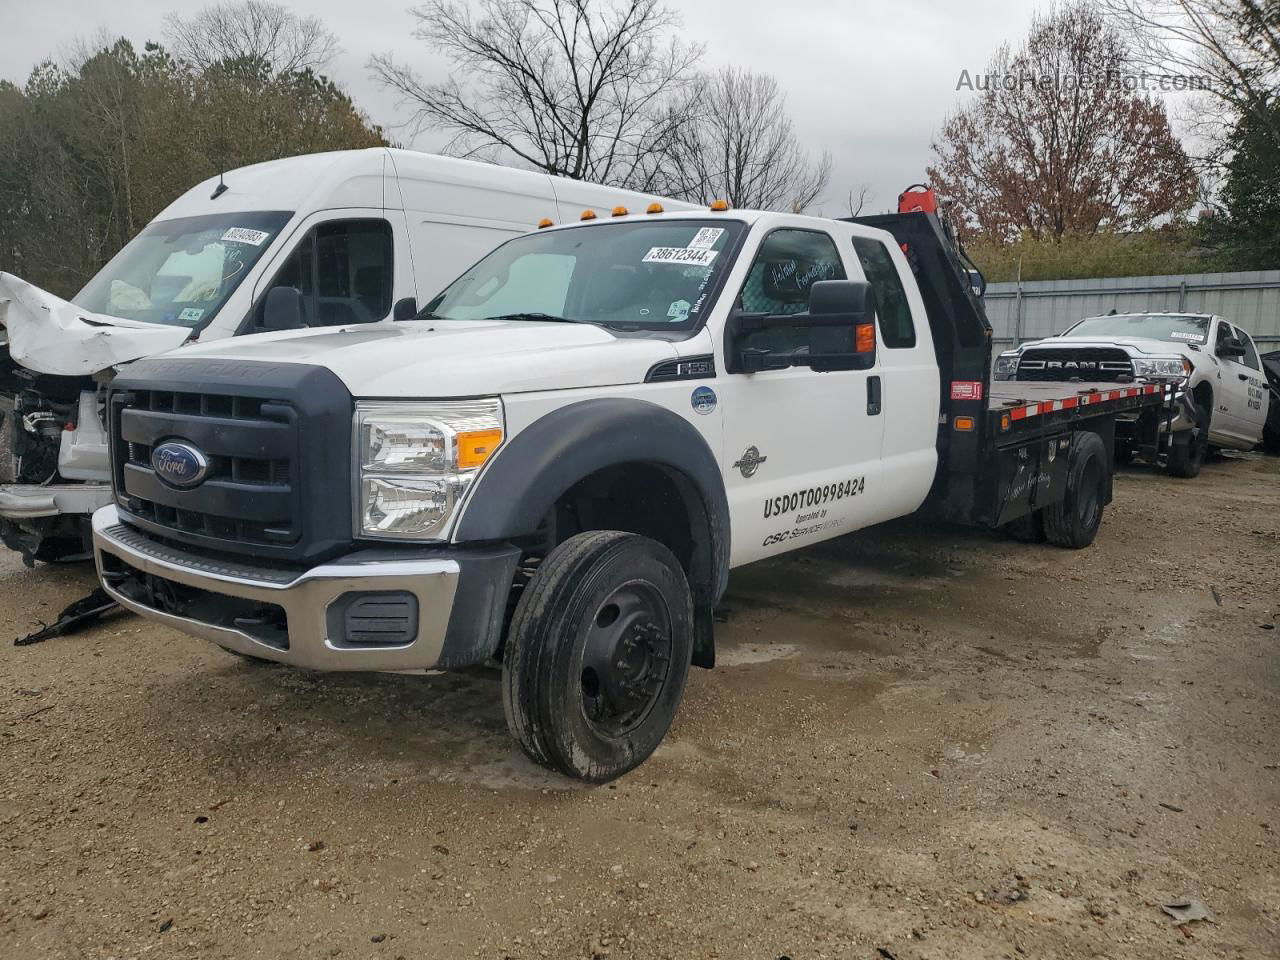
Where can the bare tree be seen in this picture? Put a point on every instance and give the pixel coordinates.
(578, 88)
(254, 31)
(1055, 144)
(731, 138)
(1234, 45)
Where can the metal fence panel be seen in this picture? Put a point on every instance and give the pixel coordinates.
(1041, 308)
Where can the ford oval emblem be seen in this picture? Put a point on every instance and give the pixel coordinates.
(179, 464)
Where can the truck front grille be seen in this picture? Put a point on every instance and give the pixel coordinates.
(275, 441)
(1087, 364)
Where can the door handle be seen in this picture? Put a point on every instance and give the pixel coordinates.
(873, 396)
(1243, 376)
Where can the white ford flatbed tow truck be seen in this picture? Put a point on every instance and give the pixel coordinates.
(556, 463)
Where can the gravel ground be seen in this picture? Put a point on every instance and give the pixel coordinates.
(921, 742)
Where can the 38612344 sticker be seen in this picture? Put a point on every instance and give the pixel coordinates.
(681, 256)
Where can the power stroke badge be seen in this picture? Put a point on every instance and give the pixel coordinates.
(750, 462)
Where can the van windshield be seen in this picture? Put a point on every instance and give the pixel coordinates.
(657, 274)
(1154, 326)
(180, 272)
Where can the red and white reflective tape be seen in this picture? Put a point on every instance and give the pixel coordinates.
(1081, 400)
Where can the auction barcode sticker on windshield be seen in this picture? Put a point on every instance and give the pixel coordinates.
(245, 235)
(705, 238)
(684, 256)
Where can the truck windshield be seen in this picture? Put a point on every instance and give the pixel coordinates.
(1154, 326)
(657, 274)
(180, 272)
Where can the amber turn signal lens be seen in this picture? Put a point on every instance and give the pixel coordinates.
(476, 446)
(864, 338)
(965, 424)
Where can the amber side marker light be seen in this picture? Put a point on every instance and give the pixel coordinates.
(476, 446)
(654, 208)
(965, 424)
(864, 337)
(588, 215)
(719, 206)
(546, 222)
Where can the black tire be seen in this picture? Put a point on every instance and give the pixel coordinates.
(1028, 529)
(597, 655)
(1074, 520)
(1187, 453)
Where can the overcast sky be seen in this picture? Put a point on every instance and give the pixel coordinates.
(867, 80)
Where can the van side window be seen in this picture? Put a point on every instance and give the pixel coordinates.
(788, 263)
(344, 271)
(897, 330)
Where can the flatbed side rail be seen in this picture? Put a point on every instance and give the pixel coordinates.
(1013, 418)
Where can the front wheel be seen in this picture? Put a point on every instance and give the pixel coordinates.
(597, 655)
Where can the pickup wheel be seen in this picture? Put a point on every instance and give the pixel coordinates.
(1074, 520)
(597, 655)
(1187, 453)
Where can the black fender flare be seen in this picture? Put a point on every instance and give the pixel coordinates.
(539, 464)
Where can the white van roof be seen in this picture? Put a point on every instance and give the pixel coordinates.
(359, 178)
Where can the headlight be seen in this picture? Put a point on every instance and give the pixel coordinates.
(416, 461)
(1006, 366)
(1171, 368)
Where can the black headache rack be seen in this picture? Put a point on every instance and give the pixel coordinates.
(1001, 445)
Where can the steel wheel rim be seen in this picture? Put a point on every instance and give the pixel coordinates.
(626, 658)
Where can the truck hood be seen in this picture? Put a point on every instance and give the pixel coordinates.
(455, 358)
(1135, 346)
(49, 335)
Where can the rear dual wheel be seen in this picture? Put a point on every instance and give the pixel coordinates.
(1074, 520)
(597, 655)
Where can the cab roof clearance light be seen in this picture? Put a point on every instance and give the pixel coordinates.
(654, 208)
(719, 206)
(588, 215)
(620, 211)
(546, 222)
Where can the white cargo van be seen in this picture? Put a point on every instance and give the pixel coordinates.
(354, 236)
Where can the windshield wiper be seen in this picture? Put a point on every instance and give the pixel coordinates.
(545, 317)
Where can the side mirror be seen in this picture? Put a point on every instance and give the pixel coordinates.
(405, 309)
(283, 310)
(1232, 349)
(842, 314)
(837, 333)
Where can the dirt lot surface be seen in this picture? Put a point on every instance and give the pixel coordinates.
(921, 743)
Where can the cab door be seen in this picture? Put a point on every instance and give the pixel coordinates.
(1248, 370)
(1230, 424)
(801, 453)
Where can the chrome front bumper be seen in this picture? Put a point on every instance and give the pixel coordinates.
(305, 597)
